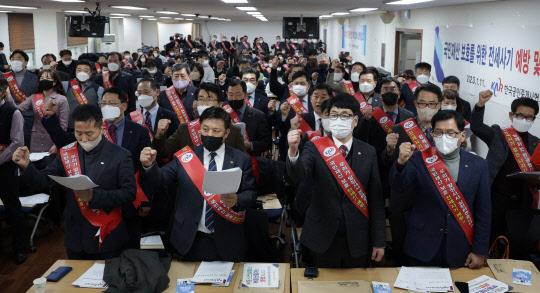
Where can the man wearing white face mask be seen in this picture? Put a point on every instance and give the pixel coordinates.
(449, 198)
(367, 83)
(509, 197)
(82, 90)
(180, 93)
(341, 226)
(115, 77)
(422, 74)
(67, 64)
(106, 164)
(153, 72)
(256, 99)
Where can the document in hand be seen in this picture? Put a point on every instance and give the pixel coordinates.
(261, 275)
(485, 284)
(425, 279)
(213, 272)
(75, 182)
(34, 157)
(242, 126)
(222, 182)
(93, 278)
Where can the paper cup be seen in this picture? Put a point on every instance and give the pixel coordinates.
(39, 285)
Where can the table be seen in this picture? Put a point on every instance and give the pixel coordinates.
(178, 270)
(386, 275)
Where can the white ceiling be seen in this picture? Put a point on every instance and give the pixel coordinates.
(271, 9)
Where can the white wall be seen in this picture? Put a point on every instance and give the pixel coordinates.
(46, 23)
(4, 33)
(505, 13)
(149, 32)
(132, 34)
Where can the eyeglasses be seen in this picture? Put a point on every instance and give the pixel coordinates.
(521, 116)
(424, 104)
(104, 103)
(451, 133)
(391, 89)
(344, 116)
(240, 94)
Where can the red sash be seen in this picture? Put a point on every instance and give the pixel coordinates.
(343, 173)
(96, 217)
(362, 101)
(199, 42)
(105, 127)
(294, 47)
(136, 116)
(519, 150)
(348, 87)
(189, 43)
(384, 121)
(249, 103)
(177, 105)
(277, 46)
(449, 191)
(286, 66)
(126, 62)
(14, 87)
(297, 106)
(77, 91)
(225, 48)
(415, 134)
(412, 85)
(39, 102)
(259, 46)
(107, 83)
(194, 128)
(195, 170)
(313, 135)
(304, 126)
(98, 68)
(245, 44)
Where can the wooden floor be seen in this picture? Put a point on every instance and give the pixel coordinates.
(50, 247)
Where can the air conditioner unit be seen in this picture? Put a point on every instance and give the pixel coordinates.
(106, 44)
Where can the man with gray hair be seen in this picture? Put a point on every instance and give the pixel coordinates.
(179, 97)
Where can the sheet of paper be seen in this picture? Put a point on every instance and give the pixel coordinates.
(213, 272)
(227, 283)
(38, 156)
(76, 182)
(222, 182)
(433, 279)
(242, 126)
(34, 199)
(93, 278)
(404, 277)
(354, 286)
(485, 284)
(185, 286)
(154, 240)
(260, 275)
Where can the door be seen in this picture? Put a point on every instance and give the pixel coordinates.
(408, 49)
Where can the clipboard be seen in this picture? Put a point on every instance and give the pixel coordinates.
(352, 286)
(238, 284)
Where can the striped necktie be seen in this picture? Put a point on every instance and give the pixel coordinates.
(209, 214)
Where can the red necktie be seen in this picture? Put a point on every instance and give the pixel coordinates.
(112, 132)
(343, 149)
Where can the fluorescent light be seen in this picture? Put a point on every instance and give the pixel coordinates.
(165, 17)
(120, 14)
(146, 16)
(17, 7)
(5, 11)
(128, 7)
(258, 15)
(168, 12)
(363, 9)
(189, 18)
(253, 12)
(407, 2)
(202, 16)
(152, 18)
(188, 14)
(340, 13)
(228, 19)
(213, 17)
(247, 8)
(69, 1)
(325, 16)
(75, 11)
(234, 1)
(178, 18)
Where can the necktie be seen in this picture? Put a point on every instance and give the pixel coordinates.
(148, 120)
(321, 128)
(112, 132)
(428, 135)
(209, 214)
(343, 149)
(391, 116)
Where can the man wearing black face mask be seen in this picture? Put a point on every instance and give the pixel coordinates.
(199, 233)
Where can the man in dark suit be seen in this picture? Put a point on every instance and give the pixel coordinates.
(510, 197)
(49, 62)
(422, 74)
(452, 83)
(278, 46)
(27, 83)
(338, 232)
(182, 89)
(368, 82)
(257, 99)
(315, 118)
(4, 65)
(445, 228)
(259, 134)
(118, 78)
(198, 233)
(207, 95)
(264, 46)
(107, 165)
(67, 64)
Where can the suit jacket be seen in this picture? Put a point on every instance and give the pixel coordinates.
(127, 83)
(163, 101)
(68, 69)
(116, 180)
(163, 113)
(322, 217)
(430, 215)
(229, 237)
(3, 61)
(261, 101)
(258, 129)
(536, 158)
(494, 138)
(167, 147)
(28, 86)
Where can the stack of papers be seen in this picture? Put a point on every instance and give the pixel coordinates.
(215, 272)
(93, 278)
(152, 242)
(424, 280)
(75, 182)
(34, 157)
(222, 182)
(39, 198)
(260, 275)
(485, 284)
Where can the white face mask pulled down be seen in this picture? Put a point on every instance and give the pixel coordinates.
(446, 144)
(90, 145)
(340, 128)
(449, 107)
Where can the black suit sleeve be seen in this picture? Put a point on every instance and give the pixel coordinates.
(131, 94)
(246, 193)
(58, 135)
(484, 132)
(263, 142)
(275, 86)
(155, 176)
(375, 200)
(304, 165)
(123, 194)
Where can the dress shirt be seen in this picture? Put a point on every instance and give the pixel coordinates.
(251, 98)
(15, 134)
(153, 115)
(219, 158)
(119, 130)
